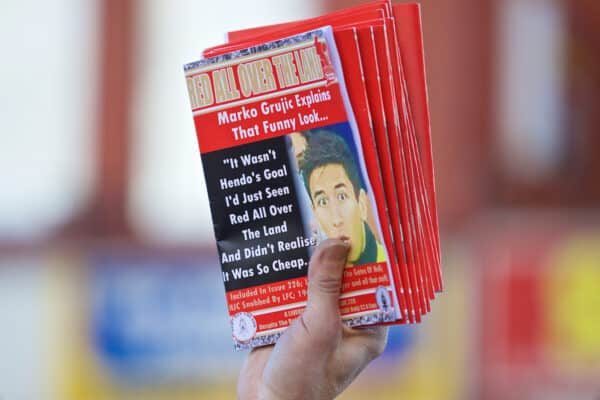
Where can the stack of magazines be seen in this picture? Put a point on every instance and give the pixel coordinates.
(319, 129)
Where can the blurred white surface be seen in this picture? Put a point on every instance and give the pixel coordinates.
(168, 199)
(24, 336)
(47, 101)
(530, 86)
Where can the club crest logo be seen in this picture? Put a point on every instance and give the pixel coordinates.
(243, 326)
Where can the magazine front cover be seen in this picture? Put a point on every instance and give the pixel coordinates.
(285, 170)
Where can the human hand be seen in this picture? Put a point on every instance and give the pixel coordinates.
(317, 357)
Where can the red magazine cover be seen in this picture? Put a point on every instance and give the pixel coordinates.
(284, 169)
(410, 40)
(373, 83)
(376, 9)
(397, 151)
(347, 40)
(266, 32)
(422, 252)
(422, 249)
(404, 158)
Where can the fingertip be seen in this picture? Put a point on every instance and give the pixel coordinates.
(333, 250)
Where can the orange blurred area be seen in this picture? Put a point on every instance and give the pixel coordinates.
(109, 281)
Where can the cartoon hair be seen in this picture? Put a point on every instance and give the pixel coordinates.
(324, 148)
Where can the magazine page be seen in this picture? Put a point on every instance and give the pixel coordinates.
(424, 242)
(397, 152)
(350, 55)
(284, 170)
(420, 250)
(341, 21)
(408, 29)
(375, 96)
(416, 251)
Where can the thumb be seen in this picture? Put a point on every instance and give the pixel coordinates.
(325, 274)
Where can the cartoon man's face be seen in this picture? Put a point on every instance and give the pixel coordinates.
(339, 212)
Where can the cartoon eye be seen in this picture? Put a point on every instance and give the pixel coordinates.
(342, 196)
(322, 201)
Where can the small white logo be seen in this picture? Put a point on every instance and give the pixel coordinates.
(243, 326)
(383, 299)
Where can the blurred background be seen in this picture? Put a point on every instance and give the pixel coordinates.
(109, 282)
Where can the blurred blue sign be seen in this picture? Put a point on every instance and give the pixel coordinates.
(160, 318)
